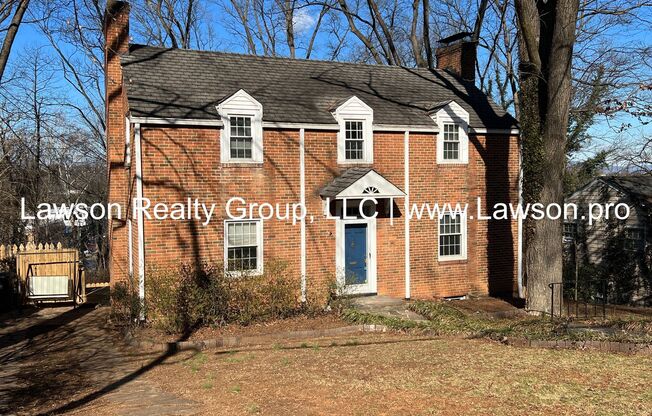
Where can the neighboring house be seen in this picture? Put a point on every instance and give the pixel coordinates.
(618, 249)
(197, 124)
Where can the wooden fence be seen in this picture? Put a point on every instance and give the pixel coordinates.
(10, 251)
(45, 260)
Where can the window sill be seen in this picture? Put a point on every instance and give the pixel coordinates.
(355, 162)
(452, 162)
(243, 274)
(452, 261)
(242, 164)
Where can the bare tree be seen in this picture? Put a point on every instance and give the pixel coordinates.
(74, 30)
(11, 30)
(181, 24)
(42, 147)
(287, 8)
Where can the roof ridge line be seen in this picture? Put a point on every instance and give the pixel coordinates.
(285, 58)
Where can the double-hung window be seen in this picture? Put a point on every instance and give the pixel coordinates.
(452, 237)
(451, 141)
(570, 231)
(453, 137)
(243, 246)
(354, 140)
(634, 239)
(241, 139)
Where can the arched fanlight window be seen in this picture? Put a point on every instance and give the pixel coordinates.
(371, 190)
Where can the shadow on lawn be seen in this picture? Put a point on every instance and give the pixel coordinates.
(72, 353)
(41, 327)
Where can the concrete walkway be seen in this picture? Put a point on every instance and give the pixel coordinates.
(386, 306)
(63, 360)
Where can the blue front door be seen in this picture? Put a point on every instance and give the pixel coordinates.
(355, 253)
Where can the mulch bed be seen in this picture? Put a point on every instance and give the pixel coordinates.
(487, 306)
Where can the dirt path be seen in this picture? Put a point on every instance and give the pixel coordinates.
(61, 360)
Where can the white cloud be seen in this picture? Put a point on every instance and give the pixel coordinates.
(302, 20)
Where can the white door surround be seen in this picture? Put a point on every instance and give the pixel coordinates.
(371, 285)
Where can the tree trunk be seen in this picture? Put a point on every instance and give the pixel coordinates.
(546, 38)
(426, 34)
(12, 30)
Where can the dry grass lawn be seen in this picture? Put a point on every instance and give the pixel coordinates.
(396, 374)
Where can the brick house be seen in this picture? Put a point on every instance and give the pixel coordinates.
(197, 124)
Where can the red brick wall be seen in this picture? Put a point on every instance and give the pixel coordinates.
(181, 163)
(390, 239)
(492, 175)
(320, 169)
(184, 162)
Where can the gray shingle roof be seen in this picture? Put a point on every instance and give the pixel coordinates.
(346, 179)
(174, 83)
(637, 186)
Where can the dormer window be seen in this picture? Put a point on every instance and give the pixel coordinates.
(453, 139)
(355, 138)
(242, 137)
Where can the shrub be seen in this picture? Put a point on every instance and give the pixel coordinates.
(189, 296)
(8, 265)
(126, 308)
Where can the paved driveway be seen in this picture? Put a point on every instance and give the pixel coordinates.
(62, 360)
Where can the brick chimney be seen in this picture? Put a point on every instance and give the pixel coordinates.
(116, 36)
(457, 55)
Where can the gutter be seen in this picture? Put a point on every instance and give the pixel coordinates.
(141, 226)
(406, 201)
(519, 255)
(162, 121)
(302, 180)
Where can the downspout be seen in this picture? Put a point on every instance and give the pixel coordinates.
(130, 239)
(406, 213)
(302, 181)
(141, 226)
(519, 255)
(130, 242)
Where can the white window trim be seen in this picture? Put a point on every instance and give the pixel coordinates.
(259, 253)
(354, 109)
(241, 104)
(643, 242)
(127, 143)
(340, 255)
(463, 253)
(575, 229)
(452, 113)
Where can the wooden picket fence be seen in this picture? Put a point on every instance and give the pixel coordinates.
(46, 260)
(11, 250)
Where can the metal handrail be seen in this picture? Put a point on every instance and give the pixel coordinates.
(552, 286)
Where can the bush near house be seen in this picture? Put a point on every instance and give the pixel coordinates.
(190, 296)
